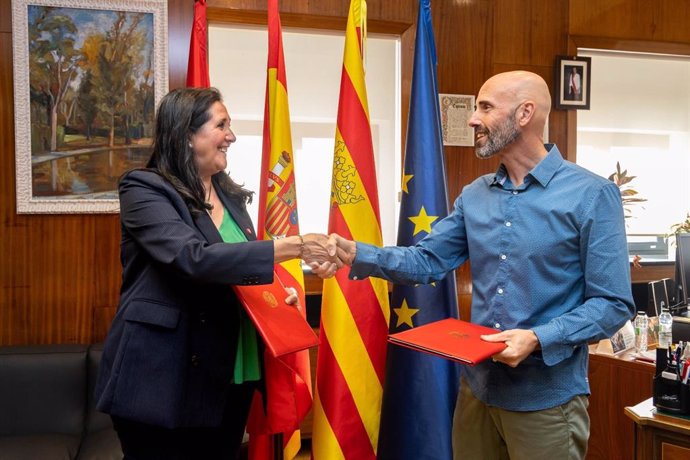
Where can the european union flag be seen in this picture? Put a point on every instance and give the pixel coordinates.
(420, 390)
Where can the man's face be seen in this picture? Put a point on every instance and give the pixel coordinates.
(496, 138)
(494, 123)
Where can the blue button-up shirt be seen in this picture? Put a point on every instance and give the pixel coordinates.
(549, 255)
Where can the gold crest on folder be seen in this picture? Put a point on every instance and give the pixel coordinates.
(270, 299)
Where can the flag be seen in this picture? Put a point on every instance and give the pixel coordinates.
(197, 66)
(420, 390)
(288, 379)
(354, 314)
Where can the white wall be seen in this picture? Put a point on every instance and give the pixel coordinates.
(313, 61)
(640, 116)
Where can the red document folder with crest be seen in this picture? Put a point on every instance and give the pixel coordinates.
(281, 326)
(452, 339)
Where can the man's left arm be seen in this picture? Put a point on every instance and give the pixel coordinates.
(607, 292)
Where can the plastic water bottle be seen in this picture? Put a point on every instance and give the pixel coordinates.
(641, 323)
(665, 328)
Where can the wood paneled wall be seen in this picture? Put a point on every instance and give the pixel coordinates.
(60, 274)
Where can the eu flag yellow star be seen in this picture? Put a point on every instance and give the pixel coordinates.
(406, 179)
(405, 314)
(422, 222)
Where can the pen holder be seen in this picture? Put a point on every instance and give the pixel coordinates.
(670, 394)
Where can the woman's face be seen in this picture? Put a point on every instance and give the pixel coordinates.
(210, 143)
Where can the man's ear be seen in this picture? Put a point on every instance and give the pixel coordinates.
(525, 113)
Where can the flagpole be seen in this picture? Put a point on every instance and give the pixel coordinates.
(278, 446)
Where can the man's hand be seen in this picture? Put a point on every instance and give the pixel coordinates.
(340, 252)
(520, 343)
(315, 250)
(344, 249)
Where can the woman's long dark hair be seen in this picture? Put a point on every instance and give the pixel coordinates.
(180, 114)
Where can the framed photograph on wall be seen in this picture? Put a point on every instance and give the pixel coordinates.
(456, 110)
(573, 82)
(88, 75)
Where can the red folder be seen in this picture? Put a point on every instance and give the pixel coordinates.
(281, 326)
(451, 339)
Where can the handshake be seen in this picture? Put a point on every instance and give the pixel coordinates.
(325, 254)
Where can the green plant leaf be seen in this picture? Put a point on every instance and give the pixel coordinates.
(629, 196)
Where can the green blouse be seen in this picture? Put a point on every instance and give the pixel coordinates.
(247, 365)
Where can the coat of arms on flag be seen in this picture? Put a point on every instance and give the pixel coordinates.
(281, 212)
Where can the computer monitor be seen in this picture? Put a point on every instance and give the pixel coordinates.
(683, 268)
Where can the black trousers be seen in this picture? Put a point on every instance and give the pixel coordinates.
(141, 441)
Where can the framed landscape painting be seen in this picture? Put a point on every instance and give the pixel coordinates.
(88, 75)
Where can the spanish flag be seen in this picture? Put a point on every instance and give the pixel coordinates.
(354, 314)
(288, 395)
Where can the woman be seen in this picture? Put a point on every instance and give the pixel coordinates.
(181, 359)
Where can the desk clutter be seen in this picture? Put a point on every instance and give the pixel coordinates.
(671, 389)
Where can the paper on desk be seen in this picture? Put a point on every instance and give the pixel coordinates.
(649, 355)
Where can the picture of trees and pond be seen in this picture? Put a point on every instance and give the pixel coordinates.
(92, 101)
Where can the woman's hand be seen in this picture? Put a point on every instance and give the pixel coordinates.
(324, 270)
(310, 247)
(293, 298)
(340, 252)
(315, 250)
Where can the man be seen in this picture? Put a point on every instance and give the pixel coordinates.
(550, 270)
(574, 86)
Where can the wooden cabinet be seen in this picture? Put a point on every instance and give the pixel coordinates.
(615, 382)
(658, 436)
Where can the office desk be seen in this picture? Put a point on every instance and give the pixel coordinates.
(658, 436)
(615, 382)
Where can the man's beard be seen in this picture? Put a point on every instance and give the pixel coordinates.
(501, 137)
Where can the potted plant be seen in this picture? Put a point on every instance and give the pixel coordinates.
(628, 194)
(628, 197)
(681, 227)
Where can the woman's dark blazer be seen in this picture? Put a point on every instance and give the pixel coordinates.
(170, 352)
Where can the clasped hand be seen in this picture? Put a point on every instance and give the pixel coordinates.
(326, 254)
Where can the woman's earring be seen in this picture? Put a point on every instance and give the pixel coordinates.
(190, 145)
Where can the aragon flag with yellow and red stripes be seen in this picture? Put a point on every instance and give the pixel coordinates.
(288, 379)
(354, 314)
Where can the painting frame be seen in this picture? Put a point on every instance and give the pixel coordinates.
(456, 110)
(573, 75)
(153, 49)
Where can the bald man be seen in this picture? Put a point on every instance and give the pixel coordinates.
(550, 272)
